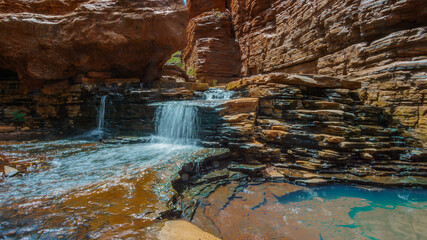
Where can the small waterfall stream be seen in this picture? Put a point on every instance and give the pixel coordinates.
(101, 113)
(177, 122)
(217, 94)
(99, 130)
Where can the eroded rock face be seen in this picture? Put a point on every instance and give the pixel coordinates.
(212, 51)
(197, 7)
(51, 40)
(379, 43)
(296, 36)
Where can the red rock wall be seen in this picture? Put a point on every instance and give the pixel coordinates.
(50, 40)
(380, 43)
(276, 35)
(212, 50)
(197, 7)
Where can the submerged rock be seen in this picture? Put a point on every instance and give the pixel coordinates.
(10, 171)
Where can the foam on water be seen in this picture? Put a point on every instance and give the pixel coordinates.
(176, 123)
(75, 166)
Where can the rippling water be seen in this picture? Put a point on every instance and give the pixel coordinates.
(287, 211)
(90, 189)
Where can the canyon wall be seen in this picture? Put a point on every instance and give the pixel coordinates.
(55, 40)
(212, 51)
(379, 43)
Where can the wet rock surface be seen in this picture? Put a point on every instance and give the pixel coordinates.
(111, 194)
(64, 108)
(312, 128)
(286, 211)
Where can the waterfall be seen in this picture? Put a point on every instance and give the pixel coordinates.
(177, 123)
(217, 94)
(99, 131)
(101, 113)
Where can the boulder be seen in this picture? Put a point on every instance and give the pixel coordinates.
(180, 229)
(10, 171)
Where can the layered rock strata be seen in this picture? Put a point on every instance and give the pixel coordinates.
(308, 129)
(323, 130)
(62, 107)
(379, 43)
(212, 51)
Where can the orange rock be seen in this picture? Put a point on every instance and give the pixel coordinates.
(211, 50)
(50, 40)
(197, 7)
(281, 128)
(241, 105)
(180, 229)
(6, 129)
(274, 134)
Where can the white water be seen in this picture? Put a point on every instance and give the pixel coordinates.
(177, 122)
(76, 165)
(217, 94)
(101, 113)
(99, 131)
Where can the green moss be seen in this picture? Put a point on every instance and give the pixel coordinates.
(18, 117)
(191, 72)
(176, 59)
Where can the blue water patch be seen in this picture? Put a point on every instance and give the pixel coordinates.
(385, 197)
(371, 210)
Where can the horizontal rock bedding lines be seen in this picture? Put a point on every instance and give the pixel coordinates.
(379, 43)
(303, 130)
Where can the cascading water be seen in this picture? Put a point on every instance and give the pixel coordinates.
(177, 123)
(217, 94)
(99, 131)
(101, 113)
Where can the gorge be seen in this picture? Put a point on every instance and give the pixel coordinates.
(213, 119)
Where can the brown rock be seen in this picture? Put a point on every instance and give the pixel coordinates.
(211, 50)
(197, 7)
(175, 71)
(100, 75)
(241, 105)
(6, 129)
(180, 229)
(129, 38)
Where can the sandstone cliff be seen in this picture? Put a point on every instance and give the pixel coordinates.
(51, 40)
(212, 50)
(379, 43)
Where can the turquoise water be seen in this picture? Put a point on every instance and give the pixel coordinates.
(274, 210)
(350, 212)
